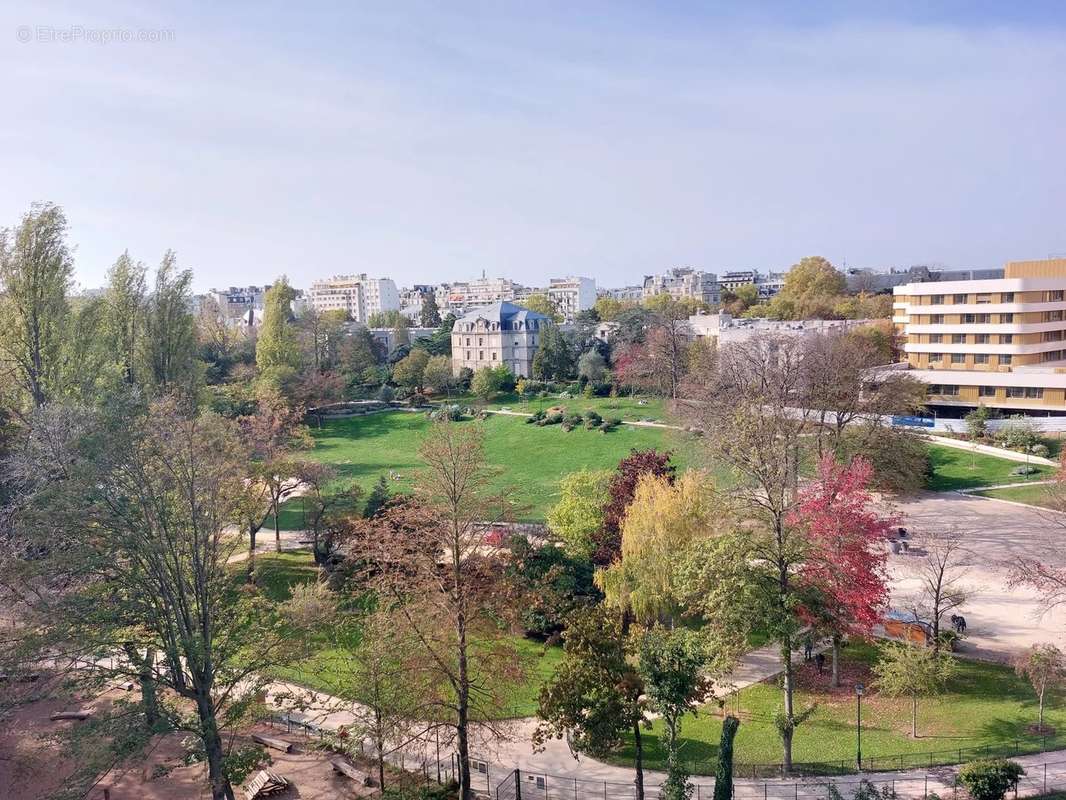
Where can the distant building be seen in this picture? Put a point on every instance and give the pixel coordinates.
(389, 340)
(767, 284)
(572, 295)
(684, 282)
(462, 296)
(358, 295)
(724, 329)
(625, 293)
(237, 301)
(502, 333)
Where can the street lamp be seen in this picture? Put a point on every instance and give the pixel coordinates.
(858, 726)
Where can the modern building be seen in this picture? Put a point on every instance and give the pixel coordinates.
(460, 297)
(572, 295)
(625, 293)
(722, 329)
(994, 341)
(502, 333)
(358, 295)
(237, 301)
(684, 282)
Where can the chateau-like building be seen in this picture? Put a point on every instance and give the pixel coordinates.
(502, 333)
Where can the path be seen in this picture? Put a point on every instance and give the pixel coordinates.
(990, 450)
(635, 423)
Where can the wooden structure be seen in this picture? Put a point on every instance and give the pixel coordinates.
(270, 741)
(80, 714)
(265, 784)
(356, 774)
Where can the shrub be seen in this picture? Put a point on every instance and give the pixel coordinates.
(386, 393)
(537, 416)
(990, 778)
(592, 420)
(573, 419)
(449, 413)
(610, 424)
(417, 400)
(1024, 469)
(1039, 450)
(1018, 433)
(551, 419)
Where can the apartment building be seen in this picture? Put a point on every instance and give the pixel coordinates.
(237, 301)
(464, 295)
(358, 295)
(502, 333)
(999, 342)
(684, 282)
(572, 295)
(625, 293)
(768, 284)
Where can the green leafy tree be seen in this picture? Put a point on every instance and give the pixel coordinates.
(990, 779)
(125, 303)
(553, 360)
(430, 314)
(491, 381)
(377, 498)
(723, 775)
(438, 374)
(411, 370)
(387, 319)
(549, 585)
(578, 516)
(170, 330)
(543, 304)
(671, 662)
(595, 698)
(914, 671)
(977, 423)
(810, 289)
(592, 366)
(278, 344)
(440, 342)
(36, 270)
(1044, 666)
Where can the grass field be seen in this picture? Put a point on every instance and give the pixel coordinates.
(626, 408)
(954, 468)
(531, 459)
(987, 705)
(1037, 495)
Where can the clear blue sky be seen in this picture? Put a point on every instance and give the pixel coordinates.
(431, 141)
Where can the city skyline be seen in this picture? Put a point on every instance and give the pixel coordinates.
(427, 146)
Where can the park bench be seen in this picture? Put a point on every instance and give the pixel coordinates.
(348, 770)
(265, 784)
(80, 714)
(270, 741)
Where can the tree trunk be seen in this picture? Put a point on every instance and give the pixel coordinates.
(1041, 711)
(277, 525)
(723, 776)
(148, 692)
(638, 747)
(251, 553)
(380, 742)
(220, 787)
(788, 730)
(914, 716)
(834, 680)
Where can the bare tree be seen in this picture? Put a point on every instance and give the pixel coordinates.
(429, 559)
(941, 574)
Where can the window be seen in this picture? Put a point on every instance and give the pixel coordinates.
(1006, 358)
(1007, 297)
(935, 357)
(958, 358)
(1027, 392)
(480, 355)
(1006, 338)
(971, 319)
(1006, 318)
(1051, 355)
(986, 391)
(481, 341)
(943, 389)
(958, 338)
(980, 358)
(984, 298)
(1053, 296)
(467, 341)
(936, 319)
(981, 338)
(935, 338)
(1052, 336)
(467, 355)
(958, 298)
(493, 355)
(936, 299)
(1015, 392)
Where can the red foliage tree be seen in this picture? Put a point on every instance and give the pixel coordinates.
(607, 544)
(843, 573)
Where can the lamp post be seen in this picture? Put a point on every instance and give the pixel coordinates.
(858, 726)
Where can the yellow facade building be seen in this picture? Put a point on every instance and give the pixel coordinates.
(999, 342)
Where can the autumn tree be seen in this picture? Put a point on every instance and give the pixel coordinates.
(914, 671)
(426, 559)
(845, 564)
(810, 289)
(36, 270)
(328, 508)
(607, 543)
(595, 697)
(578, 516)
(410, 371)
(1044, 666)
(941, 573)
(542, 304)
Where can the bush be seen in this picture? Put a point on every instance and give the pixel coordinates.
(449, 413)
(990, 778)
(434, 792)
(1024, 469)
(1040, 450)
(551, 419)
(592, 420)
(386, 394)
(417, 400)
(1018, 433)
(537, 416)
(610, 424)
(573, 419)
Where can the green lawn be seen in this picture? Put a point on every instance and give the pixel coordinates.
(531, 460)
(954, 468)
(627, 408)
(987, 705)
(1037, 495)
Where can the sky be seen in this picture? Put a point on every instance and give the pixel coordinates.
(433, 141)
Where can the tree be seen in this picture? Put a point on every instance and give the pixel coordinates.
(277, 346)
(810, 289)
(438, 374)
(607, 543)
(592, 366)
(941, 573)
(909, 670)
(125, 301)
(139, 586)
(36, 269)
(660, 524)
(327, 508)
(323, 332)
(745, 403)
(977, 423)
(490, 381)
(387, 319)
(845, 566)
(549, 585)
(440, 342)
(990, 779)
(1044, 666)
(671, 663)
(553, 360)
(899, 457)
(608, 308)
(358, 353)
(723, 775)
(542, 304)
(737, 301)
(410, 371)
(430, 314)
(594, 699)
(377, 499)
(578, 516)
(169, 330)
(426, 558)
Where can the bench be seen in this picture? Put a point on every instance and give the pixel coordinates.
(344, 768)
(270, 741)
(80, 714)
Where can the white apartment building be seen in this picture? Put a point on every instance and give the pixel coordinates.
(464, 295)
(684, 282)
(999, 342)
(358, 295)
(572, 295)
(502, 333)
(625, 293)
(236, 301)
